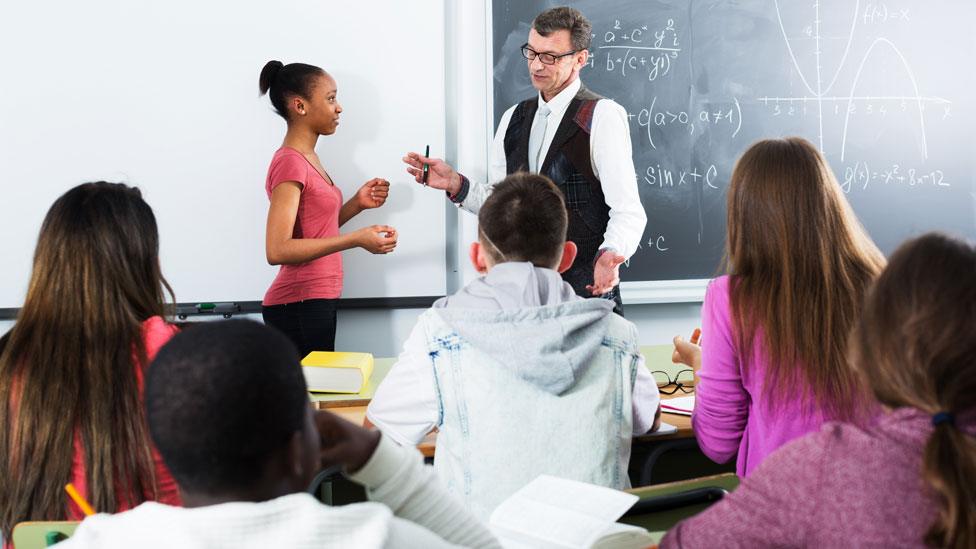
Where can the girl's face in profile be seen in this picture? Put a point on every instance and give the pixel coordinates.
(323, 108)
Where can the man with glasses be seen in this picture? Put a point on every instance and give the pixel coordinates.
(579, 140)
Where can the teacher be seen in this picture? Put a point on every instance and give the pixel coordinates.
(307, 210)
(575, 137)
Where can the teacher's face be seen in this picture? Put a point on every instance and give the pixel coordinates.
(552, 79)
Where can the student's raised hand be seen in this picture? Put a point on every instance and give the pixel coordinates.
(440, 174)
(343, 443)
(686, 353)
(377, 239)
(373, 193)
(606, 272)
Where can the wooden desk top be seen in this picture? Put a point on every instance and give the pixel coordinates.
(353, 407)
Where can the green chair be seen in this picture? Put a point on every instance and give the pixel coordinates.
(662, 506)
(41, 534)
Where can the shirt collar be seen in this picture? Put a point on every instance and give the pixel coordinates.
(559, 103)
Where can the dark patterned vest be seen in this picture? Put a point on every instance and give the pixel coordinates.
(569, 166)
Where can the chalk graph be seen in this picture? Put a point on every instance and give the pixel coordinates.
(820, 94)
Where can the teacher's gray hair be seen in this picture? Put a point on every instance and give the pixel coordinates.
(565, 18)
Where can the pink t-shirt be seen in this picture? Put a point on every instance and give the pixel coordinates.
(156, 332)
(318, 217)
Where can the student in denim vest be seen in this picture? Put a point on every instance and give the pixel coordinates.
(520, 375)
(576, 138)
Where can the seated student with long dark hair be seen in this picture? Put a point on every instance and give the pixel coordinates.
(228, 408)
(772, 361)
(72, 367)
(908, 479)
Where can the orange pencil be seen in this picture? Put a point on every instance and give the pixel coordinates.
(695, 335)
(86, 507)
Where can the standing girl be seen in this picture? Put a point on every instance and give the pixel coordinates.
(307, 210)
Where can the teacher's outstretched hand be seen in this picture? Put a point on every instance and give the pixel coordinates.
(440, 174)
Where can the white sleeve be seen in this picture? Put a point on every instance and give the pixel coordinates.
(613, 164)
(405, 406)
(646, 399)
(404, 534)
(497, 167)
(397, 477)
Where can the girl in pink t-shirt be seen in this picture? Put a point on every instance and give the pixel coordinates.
(307, 210)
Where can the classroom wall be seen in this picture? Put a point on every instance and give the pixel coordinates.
(469, 131)
(382, 331)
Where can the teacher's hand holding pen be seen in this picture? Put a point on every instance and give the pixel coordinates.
(440, 174)
(377, 239)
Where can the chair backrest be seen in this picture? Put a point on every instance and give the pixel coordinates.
(662, 506)
(41, 534)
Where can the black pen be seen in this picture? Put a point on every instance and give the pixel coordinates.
(426, 166)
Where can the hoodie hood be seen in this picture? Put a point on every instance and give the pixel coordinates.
(529, 320)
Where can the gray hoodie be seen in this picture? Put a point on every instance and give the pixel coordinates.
(530, 320)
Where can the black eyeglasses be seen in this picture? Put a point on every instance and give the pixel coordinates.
(546, 58)
(683, 381)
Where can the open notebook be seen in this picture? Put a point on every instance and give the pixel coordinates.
(681, 405)
(552, 512)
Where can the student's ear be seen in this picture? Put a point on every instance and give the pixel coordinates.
(302, 459)
(569, 254)
(296, 461)
(298, 105)
(478, 259)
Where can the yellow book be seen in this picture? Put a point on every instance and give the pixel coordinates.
(332, 372)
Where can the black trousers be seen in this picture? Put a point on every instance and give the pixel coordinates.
(310, 324)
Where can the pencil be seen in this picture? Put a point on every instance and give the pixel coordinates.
(86, 507)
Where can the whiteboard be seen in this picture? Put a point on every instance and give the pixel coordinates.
(164, 96)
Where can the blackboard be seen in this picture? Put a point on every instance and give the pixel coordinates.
(884, 89)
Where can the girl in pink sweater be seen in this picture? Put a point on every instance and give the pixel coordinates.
(773, 331)
(908, 479)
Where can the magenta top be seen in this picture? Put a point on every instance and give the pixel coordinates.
(843, 486)
(317, 217)
(732, 413)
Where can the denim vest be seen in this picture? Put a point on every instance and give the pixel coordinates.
(499, 430)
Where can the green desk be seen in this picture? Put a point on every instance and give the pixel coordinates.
(656, 357)
(352, 407)
(661, 521)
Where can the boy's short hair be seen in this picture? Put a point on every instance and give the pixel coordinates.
(524, 219)
(222, 398)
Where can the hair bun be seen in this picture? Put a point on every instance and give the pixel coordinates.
(268, 75)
